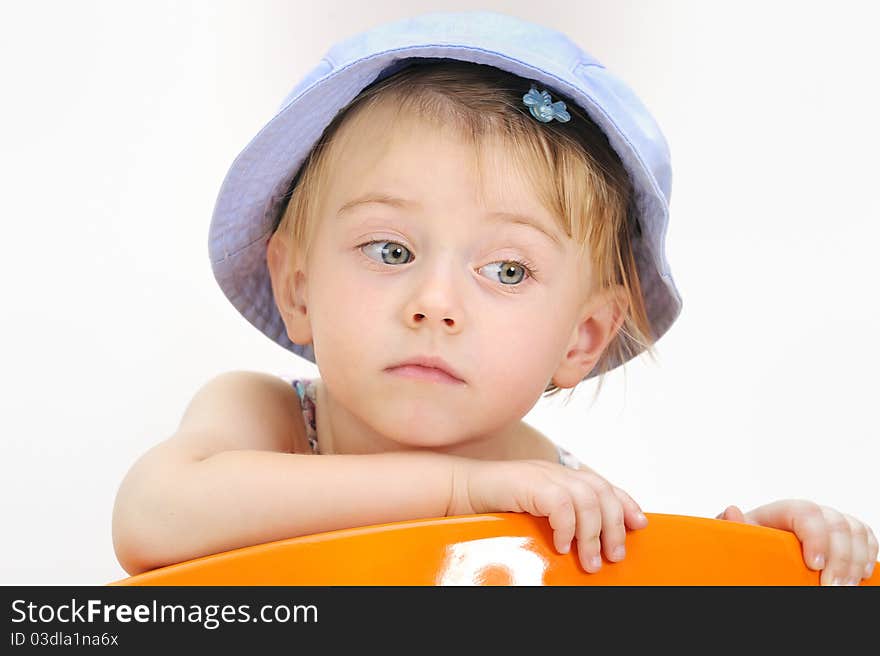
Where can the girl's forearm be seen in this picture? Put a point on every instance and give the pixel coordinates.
(240, 498)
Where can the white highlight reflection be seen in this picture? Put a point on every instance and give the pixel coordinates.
(466, 563)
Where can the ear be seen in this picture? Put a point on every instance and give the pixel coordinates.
(289, 288)
(598, 324)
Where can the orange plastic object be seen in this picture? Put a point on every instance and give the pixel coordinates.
(504, 549)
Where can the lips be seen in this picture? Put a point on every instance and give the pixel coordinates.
(426, 368)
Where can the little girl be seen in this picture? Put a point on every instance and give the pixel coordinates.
(451, 216)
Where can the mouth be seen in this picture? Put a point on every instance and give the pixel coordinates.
(426, 369)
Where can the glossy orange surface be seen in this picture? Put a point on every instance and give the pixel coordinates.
(504, 549)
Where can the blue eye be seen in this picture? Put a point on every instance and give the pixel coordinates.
(509, 272)
(390, 252)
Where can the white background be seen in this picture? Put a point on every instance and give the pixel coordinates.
(119, 121)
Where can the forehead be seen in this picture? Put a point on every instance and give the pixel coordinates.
(388, 148)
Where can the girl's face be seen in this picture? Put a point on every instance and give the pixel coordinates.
(413, 257)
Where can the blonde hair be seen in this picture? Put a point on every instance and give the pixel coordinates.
(571, 165)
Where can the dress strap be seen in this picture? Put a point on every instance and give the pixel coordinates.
(306, 390)
(567, 458)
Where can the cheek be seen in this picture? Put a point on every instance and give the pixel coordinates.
(343, 315)
(525, 345)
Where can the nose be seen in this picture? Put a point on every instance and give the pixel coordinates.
(435, 301)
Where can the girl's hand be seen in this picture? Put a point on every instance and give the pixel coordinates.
(577, 502)
(839, 545)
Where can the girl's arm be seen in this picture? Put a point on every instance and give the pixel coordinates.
(234, 475)
(179, 510)
(228, 479)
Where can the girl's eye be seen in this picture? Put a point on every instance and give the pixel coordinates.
(390, 252)
(509, 272)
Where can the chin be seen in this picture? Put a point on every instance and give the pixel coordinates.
(427, 420)
(424, 433)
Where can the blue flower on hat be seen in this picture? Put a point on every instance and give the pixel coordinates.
(543, 108)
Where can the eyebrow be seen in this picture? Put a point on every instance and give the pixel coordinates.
(403, 203)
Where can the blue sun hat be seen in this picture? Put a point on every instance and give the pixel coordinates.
(254, 193)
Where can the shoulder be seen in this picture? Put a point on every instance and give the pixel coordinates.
(249, 385)
(536, 445)
(244, 410)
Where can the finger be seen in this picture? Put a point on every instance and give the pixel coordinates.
(633, 517)
(613, 535)
(595, 491)
(732, 514)
(859, 549)
(589, 527)
(836, 571)
(803, 518)
(557, 506)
